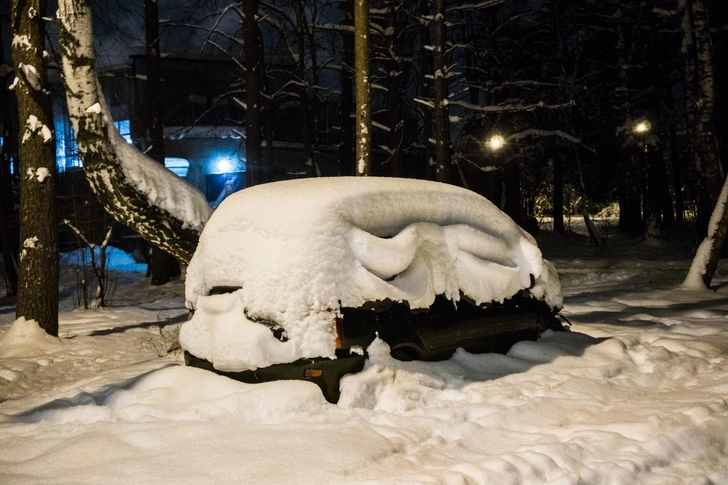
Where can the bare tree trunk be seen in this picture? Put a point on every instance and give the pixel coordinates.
(426, 62)
(363, 103)
(346, 146)
(161, 263)
(706, 150)
(677, 168)
(442, 111)
(621, 116)
(38, 276)
(109, 162)
(305, 91)
(394, 91)
(253, 66)
(558, 203)
(700, 104)
(706, 153)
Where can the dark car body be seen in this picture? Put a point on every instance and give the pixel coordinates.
(432, 334)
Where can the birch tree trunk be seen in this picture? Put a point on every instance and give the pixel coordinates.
(442, 111)
(706, 155)
(707, 159)
(253, 66)
(705, 261)
(38, 275)
(116, 171)
(363, 104)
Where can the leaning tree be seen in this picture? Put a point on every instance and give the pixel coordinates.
(133, 188)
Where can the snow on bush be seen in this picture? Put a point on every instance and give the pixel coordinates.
(302, 249)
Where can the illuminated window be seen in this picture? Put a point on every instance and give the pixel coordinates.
(124, 129)
(66, 147)
(179, 166)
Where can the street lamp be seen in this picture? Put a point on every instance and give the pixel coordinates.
(496, 142)
(642, 127)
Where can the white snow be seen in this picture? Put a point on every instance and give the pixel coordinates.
(634, 394)
(302, 249)
(22, 41)
(163, 188)
(26, 339)
(47, 134)
(31, 76)
(30, 242)
(42, 173)
(94, 108)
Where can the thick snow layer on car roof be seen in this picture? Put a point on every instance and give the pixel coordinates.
(302, 249)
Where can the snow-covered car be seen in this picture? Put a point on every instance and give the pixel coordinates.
(291, 280)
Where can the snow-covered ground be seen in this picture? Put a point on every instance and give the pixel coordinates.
(635, 393)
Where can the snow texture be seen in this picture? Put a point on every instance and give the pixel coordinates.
(30, 74)
(160, 185)
(634, 394)
(302, 249)
(26, 339)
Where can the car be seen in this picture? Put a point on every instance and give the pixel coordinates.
(294, 279)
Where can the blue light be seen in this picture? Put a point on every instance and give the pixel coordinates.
(179, 166)
(124, 129)
(226, 164)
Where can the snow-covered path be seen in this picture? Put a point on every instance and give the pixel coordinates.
(635, 393)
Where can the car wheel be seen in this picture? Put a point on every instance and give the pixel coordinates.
(405, 354)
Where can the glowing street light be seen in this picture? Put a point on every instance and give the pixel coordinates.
(496, 142)
(642, 127)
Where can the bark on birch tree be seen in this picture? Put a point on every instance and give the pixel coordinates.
(706, 155)
(109, 162)
(38, 275)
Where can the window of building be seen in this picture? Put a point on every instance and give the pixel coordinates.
(198, 107)
(179, 166)
(67, 156)
(124, 129)
(221, 109)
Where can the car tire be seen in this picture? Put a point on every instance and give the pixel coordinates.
(405, 354)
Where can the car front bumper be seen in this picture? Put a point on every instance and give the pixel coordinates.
(325, 373)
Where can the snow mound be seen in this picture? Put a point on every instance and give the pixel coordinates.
(25, 338)
(300, 250)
